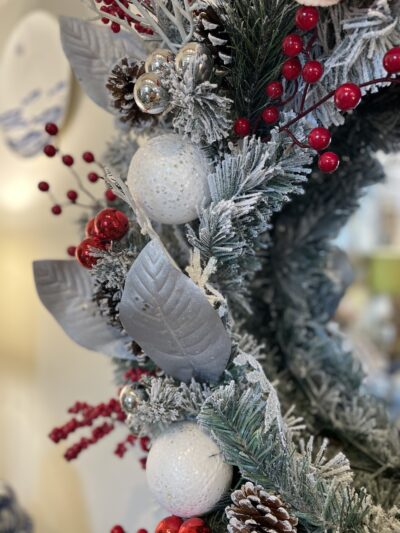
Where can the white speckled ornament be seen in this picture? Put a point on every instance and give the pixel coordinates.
(168, 176)
(186, 472)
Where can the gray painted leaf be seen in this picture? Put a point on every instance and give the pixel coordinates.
(92, 52)
(66, 291)
(172, 320)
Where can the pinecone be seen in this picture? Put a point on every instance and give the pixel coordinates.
(210, 30)
(121, 84)
(254, 510)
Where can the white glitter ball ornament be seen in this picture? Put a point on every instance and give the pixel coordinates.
(186, 472)
(168, 176)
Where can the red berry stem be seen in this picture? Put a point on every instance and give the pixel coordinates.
(295, 139)
(81, 186)
(310, 43)
(303, 99)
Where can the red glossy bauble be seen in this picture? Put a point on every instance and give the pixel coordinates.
(270, 115)
(84, 251)
(274, 90)
(90, 230)
(328, 162)
(347, 96)
(312, 71)
(171, 524)
(194, 525)
(292, 45)
(111, 224)
(291, 68)
(307, 18)
(242, 126)
(319, 138)
(391, 61)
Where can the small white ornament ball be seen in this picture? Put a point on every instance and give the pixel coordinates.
(168, 176)
(186, 472)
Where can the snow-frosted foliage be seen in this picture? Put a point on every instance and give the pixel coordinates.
(119, 153)
(362, 37)
(199, 112)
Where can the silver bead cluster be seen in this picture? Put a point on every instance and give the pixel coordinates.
(150, 96)
(129, 399)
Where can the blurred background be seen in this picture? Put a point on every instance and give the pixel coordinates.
(42, 372)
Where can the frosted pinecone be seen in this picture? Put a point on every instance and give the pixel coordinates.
(210, 30)
(254, 510)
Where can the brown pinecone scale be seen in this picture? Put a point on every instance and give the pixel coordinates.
(210, 30)
(254, 510)
(121, 84)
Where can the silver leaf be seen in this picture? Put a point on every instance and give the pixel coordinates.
(66, 291)
(92, 51)
(172, 320)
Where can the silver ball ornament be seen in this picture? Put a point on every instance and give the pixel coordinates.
(149, 95)
(158, 59)
(129, 399)
(188, 53)
(168, 175)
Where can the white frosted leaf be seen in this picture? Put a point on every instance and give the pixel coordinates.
(92, 51)
(172, 320)
(65, 289)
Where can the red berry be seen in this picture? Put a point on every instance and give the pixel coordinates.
(56, 209)
(291, 68)
(116, 28)
(328, 162)
(141, 530)
(292, 45)
(391, 61)
(68, 160)
(242, 127)
(312, 71)
(347, 96)
(270, 115)
(90, 230)
(71, 251)
(88, 157)
(51, 128)
(110, 195)
(84, 251)
(117, 529)
(307, 18)
(50, 150)
(319, 138)
(171, 524)
(43, 186)
(274, 90)
(111, 224)
(72, 195)
(93, 177)
(194, 525)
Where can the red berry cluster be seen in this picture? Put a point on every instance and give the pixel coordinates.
(174, 524)
(109, 225)
(122, 447)
(112, 10)
(120, 529)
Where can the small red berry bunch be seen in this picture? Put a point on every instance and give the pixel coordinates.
(117, 15)
(120, 529)
(109, 225)
(174, 524)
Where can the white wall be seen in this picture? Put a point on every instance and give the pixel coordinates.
(41, 371)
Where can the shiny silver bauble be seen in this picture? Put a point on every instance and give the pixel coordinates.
(188, 53)
(150, 96)
(158, 59)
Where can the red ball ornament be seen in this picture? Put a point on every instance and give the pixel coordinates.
(171, 524)
(312, 71)
(71, 251)
(194, 525)
(90, 230)
(43, 186)
(84, 251)
(292, 45)
(291, 68)
(242, 127)
(93, 177)
(56, 209)
(307, 18)
(274, 90)
(111, 224)
(72, 196)
(51, 128)
(110, 195)
(347, 96)
(319, 138)
(117, 529)
(391, 60)
(328, 162)
(68, 160)
(270, 115)
(50, 150)
(88, 157)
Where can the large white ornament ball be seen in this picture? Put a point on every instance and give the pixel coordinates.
(168, 176)
(186, 472)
